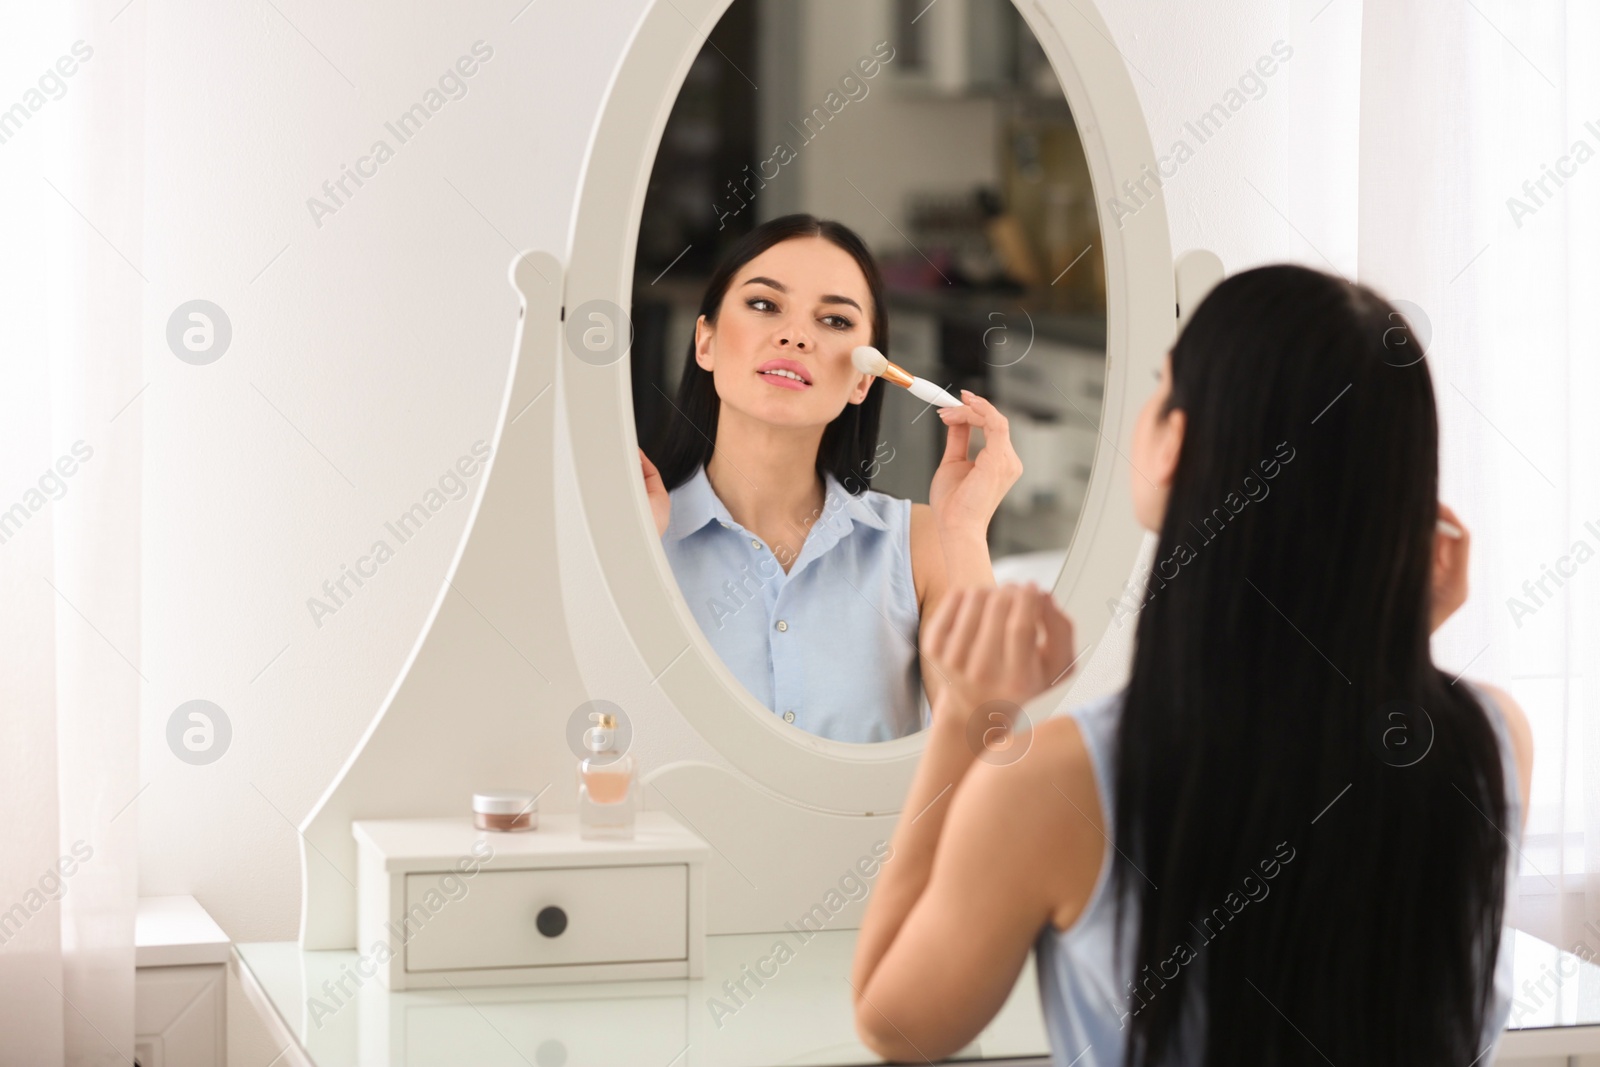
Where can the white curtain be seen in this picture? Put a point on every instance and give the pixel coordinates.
(71, 153)
(1480, 203)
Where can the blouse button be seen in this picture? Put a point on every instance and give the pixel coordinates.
(782, 626)
(788, 716)
(754, 543)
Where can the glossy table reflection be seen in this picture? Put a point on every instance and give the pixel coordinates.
(801, 1015)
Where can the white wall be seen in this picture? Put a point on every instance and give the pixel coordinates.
(370, 352)
(886, 144)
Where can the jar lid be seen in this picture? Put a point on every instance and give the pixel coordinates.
(505, 802)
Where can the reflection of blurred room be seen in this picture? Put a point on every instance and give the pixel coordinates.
(958, 162)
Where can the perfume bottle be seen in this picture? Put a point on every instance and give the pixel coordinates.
(605, 783)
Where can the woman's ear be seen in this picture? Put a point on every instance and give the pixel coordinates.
(703, 331)
(862, 389)
(1169, 446)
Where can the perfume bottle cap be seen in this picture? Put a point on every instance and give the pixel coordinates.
(598, 738)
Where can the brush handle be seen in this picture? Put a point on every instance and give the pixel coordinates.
(923, 389)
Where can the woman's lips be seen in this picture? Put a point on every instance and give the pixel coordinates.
(782, 382)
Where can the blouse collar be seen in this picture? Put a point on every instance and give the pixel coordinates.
(695, 503)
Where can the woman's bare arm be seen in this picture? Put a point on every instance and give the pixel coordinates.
(950, 534)
(987, 850)
(976, 873)
(932, 581)
(966, 492)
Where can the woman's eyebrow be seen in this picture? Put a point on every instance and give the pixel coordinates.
(830, 299)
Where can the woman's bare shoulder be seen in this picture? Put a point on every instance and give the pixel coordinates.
(1521, 734)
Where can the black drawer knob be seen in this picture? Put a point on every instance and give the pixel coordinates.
(551, 921)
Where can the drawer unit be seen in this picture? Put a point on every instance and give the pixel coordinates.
(442, 903)
(555, 917)
(180, 985)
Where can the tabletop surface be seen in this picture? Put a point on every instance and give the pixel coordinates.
(800, 1015)
(175, 932)
(441, 844)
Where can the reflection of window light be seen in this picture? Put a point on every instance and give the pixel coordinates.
(1550, 862)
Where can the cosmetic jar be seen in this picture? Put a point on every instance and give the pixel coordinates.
(505, 809)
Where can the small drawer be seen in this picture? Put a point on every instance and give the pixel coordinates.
(614, 914)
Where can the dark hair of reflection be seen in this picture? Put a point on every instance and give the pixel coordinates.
(849, 441)
(1377, 940)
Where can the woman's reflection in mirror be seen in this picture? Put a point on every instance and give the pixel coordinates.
(813, 587)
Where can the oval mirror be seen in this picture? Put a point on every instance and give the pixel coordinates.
(797, 520)
(966, 152)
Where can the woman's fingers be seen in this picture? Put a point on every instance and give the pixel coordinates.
(1059, 652)
(957, 441)
(1450, 555)
(990, 661)
(1022, 635)
(656, 491)
(649, 468)
(1448, 515)
(1450, 551)
(965, 413)
(959, 643)
(1007, 643)
(998, 454)
(995, 425)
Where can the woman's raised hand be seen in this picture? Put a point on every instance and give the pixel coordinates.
(1449, 569)
(965, 492)
(1008, 643)
(656, 490)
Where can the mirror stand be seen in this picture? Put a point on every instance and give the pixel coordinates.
(467, 711)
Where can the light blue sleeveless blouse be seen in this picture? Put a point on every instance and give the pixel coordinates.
(1086, 1005)
(830, 646)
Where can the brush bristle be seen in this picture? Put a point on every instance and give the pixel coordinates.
(869, 360)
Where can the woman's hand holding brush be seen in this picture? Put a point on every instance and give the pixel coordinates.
(966, 492)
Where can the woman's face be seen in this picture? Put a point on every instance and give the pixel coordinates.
(799, 307)
(1157, 440)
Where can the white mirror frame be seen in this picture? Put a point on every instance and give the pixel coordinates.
(815, 772)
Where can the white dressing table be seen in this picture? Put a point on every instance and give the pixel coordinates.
(801, 1015)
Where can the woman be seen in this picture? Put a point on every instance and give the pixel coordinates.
(811, 586)
(1302, 829)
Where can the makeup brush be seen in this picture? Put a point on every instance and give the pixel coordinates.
(869, 360)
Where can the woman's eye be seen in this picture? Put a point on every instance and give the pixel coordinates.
(753, 301)
(838, 322)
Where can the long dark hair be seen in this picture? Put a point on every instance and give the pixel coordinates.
(1320, 807)
(685, 440)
